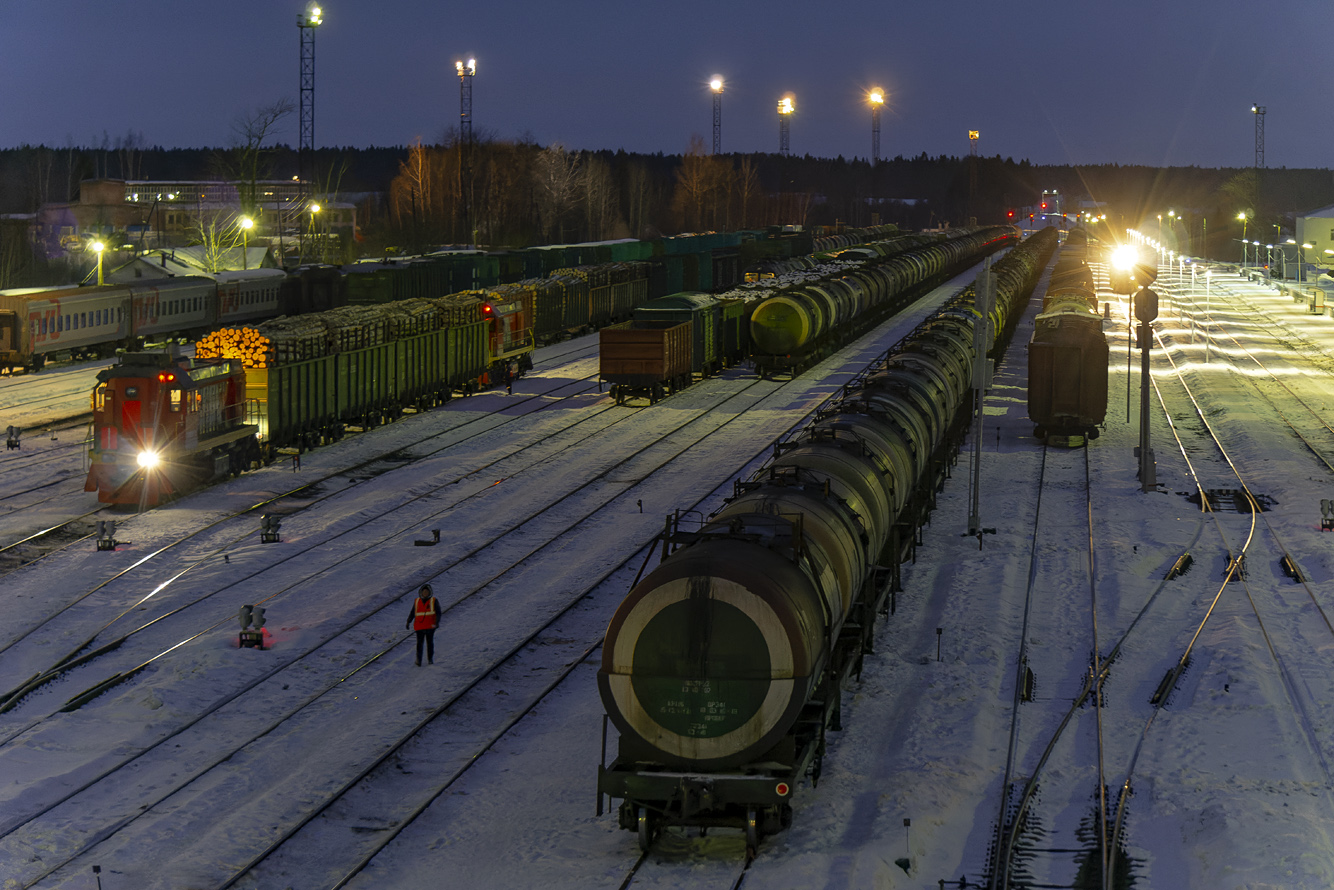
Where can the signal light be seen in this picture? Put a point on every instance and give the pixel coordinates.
(1009, 214)
(1044, 205)
(165, 377)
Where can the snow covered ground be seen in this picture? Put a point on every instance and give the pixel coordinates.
(1232, 788)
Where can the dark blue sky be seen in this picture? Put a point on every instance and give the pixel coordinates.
(1137, 81)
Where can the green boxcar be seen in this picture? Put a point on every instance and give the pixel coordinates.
(704, 312)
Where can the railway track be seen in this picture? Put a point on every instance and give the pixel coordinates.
(213, 549)
(1292, 630)
(594, 631)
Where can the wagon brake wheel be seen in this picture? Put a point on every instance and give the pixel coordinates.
(645, 830)
(752, 833)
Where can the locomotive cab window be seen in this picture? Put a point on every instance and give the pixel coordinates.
(174, 400)
(100, 397)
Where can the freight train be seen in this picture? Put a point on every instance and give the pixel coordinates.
(302, 381)
(782, 326)
(1068, 353)
(39, 324)
(722, 669)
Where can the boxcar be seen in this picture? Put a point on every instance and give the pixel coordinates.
(645, 358)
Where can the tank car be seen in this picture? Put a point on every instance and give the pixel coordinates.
(722, 669)
(163, 425)
(1067, 357)
(795, 328)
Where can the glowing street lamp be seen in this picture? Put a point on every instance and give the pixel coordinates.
(246, 224)
(98, 246)
(877, 98)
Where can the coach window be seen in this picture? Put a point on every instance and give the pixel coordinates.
(174, 399)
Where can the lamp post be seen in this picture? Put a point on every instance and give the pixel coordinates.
(1208, 278)
(786, 106)
(246, 224)
(98, 246)
(717, 86)
(877, 98)
(1301, 261)
(1244, 218)
(317, 242)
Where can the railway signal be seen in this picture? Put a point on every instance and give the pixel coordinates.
(268, 528)
(252, 627)
(106, 534)
(1326, 514)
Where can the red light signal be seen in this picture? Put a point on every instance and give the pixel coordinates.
(1044, 205)
(1009, 214)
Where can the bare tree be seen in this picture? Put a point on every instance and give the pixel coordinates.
(556, 175)
(249, 160)
(748, 186)
(217, 240)
(600, 199)
(129, 150)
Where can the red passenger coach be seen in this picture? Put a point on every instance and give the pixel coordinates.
(163, 425)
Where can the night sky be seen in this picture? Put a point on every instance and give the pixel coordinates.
(1151, 82)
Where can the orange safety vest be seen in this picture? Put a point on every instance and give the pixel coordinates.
(423, 614)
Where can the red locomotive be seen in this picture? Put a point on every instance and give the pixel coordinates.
(163, 425)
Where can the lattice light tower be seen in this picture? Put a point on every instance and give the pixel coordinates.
(1259, 112)
(786, 106)
(466, 72)
(717, 86)
(307, 21)
(877, 98)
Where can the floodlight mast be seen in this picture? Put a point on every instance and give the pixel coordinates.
(466, 72)
(716, 84)
(786, 106)
(307, 21)
(877, 98)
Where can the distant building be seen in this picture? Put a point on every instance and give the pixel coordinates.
(1317, 229)
(136, 215)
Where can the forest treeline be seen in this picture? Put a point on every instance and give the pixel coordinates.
(510, 193)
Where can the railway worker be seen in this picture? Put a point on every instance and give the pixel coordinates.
(509, 378)
(424, 619)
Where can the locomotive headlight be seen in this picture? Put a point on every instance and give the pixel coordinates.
(148, 459)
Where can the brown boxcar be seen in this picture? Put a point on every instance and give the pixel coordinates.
(644, 358)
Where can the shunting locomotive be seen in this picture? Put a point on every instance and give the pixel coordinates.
(164, 424)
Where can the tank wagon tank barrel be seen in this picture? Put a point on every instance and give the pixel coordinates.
(794, 328)
(722, 668)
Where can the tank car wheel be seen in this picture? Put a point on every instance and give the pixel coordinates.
(645, 829)
(1039, 432)
(752, 833)
(1093, 432)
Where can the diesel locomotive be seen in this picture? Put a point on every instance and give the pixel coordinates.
(722, 669)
